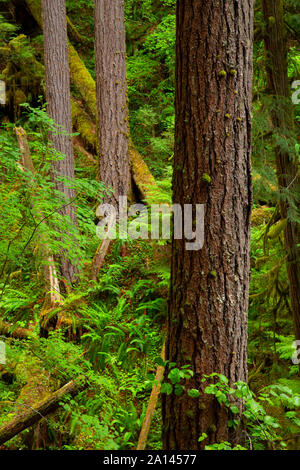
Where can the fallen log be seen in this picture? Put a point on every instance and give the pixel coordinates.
(7, 329)
(38, 412)
(84, 125)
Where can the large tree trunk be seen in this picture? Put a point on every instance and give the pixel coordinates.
(286, 161)
(112, 106)
(59, 109)
(207, 319)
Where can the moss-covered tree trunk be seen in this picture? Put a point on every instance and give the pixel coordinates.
(111, 87)
(286, 160)
(207, 319)
(59, 109)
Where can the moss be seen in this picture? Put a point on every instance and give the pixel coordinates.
(82, 122)
(206, 178)
(212, 428)
(261, 216)
(260, 262)
(277, 229)
(233, 72)
(213, 274)
(20, 97)
(222, 73)
(83, 80)
(227, 116)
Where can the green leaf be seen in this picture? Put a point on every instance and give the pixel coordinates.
(166, 388)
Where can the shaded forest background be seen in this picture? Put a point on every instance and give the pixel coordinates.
(109, 328)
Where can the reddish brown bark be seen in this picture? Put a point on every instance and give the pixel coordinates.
(207, 319)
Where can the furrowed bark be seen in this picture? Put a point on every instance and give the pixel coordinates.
(207, 318)
(7, 329)
(40, 410)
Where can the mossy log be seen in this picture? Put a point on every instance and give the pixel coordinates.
(277, 229)
(7, 329)
(142, 176)
(261, 216)
(84, 125)
(80, 75)
(40, 410)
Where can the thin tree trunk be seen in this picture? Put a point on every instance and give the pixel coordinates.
(207, 319)
(112, 106)
(59, 109)
(49, 269)
(286, 161)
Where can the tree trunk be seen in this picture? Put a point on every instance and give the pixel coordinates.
(286, 161)
(59, 109)
(112, 106)
(207, 319)
(53, 296)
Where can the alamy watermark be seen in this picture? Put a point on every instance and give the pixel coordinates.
(140, 222)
